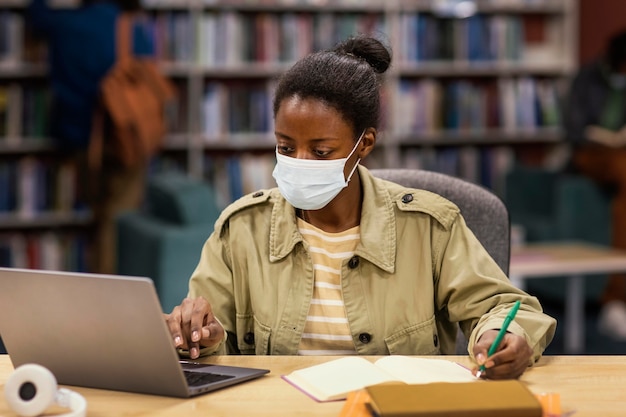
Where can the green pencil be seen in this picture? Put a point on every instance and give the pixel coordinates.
(494, 346)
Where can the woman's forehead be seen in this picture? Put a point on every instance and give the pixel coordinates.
(297, 114)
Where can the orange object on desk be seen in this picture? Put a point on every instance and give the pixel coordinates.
(550, 403)
(355, 405)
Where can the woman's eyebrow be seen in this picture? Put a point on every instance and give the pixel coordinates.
(282, 135)
(322, 139)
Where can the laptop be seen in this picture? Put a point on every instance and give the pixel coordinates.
(101, 331)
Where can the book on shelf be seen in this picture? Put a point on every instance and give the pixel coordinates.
(11, 35)
(11, 110)
(43, 250)
(4, 111)
(31, 187)
(335, 379)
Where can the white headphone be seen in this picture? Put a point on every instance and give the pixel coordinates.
(32, 388)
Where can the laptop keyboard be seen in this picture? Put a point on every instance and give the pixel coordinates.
(195, 379)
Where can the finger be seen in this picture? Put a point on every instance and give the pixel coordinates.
(201, 314)
(173, 324)
(478, 372)
(501, 371)
(481, 347)
(508, 370)
(187, 308)
(212, 334)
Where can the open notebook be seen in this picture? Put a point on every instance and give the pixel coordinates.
(335, 379)
(101, 331)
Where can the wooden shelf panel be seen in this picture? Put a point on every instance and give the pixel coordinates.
(44, 220)
(25, 146)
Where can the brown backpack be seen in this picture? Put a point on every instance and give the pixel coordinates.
(134, 96)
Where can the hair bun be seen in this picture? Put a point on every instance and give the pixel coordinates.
(370, 49)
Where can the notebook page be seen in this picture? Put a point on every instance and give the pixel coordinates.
(414, 370)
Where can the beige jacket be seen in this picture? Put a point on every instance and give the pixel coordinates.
(417, 271)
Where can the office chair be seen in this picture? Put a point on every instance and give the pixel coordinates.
(485, 214)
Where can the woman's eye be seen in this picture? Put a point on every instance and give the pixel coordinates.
(321, 153)
(284, 149)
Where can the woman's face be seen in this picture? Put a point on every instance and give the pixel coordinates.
(309, 129)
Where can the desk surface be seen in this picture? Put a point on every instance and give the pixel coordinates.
(590, 385)
(565, 258)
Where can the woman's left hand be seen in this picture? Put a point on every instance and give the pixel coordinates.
(510, 360)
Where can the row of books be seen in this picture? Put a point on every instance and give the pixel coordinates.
(284, 36)
(253, 37)
(420, 106)
(44, 250)
(24, 112)
(512, 104)
(265, 37)
(486, 166)
(236, 108)
(426, 37)
(30, 186)
(165, 3)
(17, 45)
(425, 4)
(231, 175)
(235, 176)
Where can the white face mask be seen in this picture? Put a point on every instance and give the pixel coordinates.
(310, 184)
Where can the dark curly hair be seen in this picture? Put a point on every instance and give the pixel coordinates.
(347, 78)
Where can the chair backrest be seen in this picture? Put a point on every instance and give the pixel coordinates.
(484, 212)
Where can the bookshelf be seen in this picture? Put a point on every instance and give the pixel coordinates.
(466, 94)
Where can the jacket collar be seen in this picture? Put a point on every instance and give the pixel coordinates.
(378, 225)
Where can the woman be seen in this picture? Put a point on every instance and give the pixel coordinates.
(335, 261)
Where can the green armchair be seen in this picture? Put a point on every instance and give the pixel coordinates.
(554, 205)
(163, 241)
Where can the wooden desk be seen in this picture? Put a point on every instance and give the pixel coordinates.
(571, 259)
(591, 385)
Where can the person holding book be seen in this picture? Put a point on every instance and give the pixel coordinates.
(81, 42)
(336, 261)
(595, 124)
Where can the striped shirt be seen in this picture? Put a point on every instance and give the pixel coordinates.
(326, 331)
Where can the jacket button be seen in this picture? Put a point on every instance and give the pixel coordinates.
(365, 338)
(353, 262)
(257, 194)
(249, 338)
(435, 340)
(407, 198)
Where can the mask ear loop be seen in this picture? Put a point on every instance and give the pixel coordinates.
(358, 160)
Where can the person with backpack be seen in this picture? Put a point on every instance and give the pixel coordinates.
(82, 50)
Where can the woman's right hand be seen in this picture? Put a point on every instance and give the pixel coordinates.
(193, 325)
